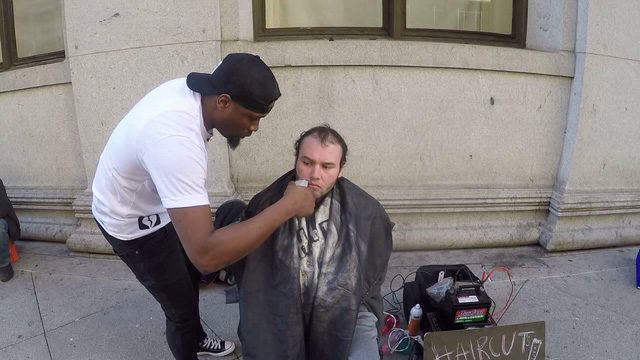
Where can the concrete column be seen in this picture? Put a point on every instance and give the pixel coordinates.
(118, 51)
(596, 196)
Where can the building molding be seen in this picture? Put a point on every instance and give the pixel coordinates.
(54, 73)
(45, 214)
(594, 202)
(399, 53)
(425, 218)
(87, 238)
(417, 201)
(42, 199)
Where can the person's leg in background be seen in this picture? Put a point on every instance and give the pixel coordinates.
(364, 345)
(6, 270)
(160, 264)
(231, 211)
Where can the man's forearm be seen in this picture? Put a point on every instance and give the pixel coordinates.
(233, 242)
(210, 249)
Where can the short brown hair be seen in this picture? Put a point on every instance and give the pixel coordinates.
(325, 134)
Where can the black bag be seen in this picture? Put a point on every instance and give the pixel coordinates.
(415, 292)
(229, 212)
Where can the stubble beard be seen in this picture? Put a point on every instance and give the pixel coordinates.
(233, 142)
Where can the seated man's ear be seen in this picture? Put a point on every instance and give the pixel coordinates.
(340, 173)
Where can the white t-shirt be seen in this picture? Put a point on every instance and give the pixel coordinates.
(156, 158)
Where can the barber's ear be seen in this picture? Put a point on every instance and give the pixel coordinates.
(223, 102)
(340, 173)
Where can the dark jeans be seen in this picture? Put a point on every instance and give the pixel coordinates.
(160, 264)
(4, 243)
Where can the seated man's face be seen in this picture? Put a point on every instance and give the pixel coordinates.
(319, 164)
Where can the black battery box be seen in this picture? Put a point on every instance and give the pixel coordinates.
(464, 303)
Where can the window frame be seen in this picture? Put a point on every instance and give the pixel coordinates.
(9, 48)
(394, 27)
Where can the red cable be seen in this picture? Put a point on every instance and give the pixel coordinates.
(495, 313)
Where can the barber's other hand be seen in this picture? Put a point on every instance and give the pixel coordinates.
(301, 199)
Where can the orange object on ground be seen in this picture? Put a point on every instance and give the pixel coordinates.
(13, 252)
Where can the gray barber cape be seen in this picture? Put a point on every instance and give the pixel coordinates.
(281, 319)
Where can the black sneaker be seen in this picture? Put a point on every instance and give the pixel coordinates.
(215, 347)
(6, 273)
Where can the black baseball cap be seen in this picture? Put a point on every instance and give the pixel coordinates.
(244, 77)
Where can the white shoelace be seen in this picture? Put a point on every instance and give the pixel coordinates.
(210, 343)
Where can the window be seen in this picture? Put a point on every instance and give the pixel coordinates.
(30, 32)
(478, 21)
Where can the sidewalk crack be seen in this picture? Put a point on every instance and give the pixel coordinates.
(21, 341)
(512, 301)
(35, 292)
(76, 275)
(83, 317)
(210, 329)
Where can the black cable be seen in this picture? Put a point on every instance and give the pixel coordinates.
(465, 267)
(469, 273)
(455, 277)
(396, 305)
(494, 309)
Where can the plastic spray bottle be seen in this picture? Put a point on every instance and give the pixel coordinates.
(414, 320)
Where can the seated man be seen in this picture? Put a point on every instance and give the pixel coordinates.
(312, 290)
(9, 232)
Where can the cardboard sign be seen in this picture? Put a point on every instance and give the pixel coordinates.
(509, 342)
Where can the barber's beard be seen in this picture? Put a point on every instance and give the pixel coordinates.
(233, 142)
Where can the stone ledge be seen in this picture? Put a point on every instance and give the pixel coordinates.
(431, 231)
(35, 76)
(410, 201)
(383, 52)
(42, 199)
(425, 218)
(47, 225)
(45, 214)
(589, 232)
(82, 203)
(88, 239)
(594, 202)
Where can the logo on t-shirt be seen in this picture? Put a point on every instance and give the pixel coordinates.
(148, 222)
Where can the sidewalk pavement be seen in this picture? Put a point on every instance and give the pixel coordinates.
(63, 306)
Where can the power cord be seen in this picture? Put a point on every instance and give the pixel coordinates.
(395, 304)
(485, 279)
(396, 337)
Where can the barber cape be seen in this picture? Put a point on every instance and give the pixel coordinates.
(282, 320)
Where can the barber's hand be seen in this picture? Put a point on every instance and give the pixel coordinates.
(300, 198)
